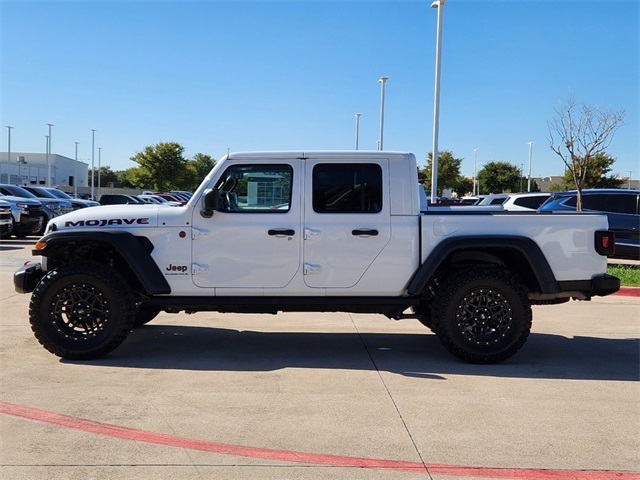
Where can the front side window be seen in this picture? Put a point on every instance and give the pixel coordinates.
(347, 188)
(256, 189)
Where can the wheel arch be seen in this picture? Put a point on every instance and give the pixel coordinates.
(518, 254)
(129, 252)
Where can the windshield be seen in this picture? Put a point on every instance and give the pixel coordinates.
(16, 191)
(59, 194)
(40, 192)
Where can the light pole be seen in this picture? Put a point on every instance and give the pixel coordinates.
(99, 161)
(521, 175)
(75, 173)
(529, 179)
(48, 182)
(439, 4)
(46, 147)
(357, 128)
(383, 81)
(9, 154)
(475, 170)
(93, 153)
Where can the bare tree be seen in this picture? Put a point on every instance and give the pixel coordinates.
(578, 134)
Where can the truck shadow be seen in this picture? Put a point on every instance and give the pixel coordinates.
(177, 347)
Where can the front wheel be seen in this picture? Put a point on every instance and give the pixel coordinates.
(81, 311)
(482, 315)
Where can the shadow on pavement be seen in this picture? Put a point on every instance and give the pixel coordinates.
(415, 355)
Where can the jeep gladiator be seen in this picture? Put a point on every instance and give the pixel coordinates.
(312, 231)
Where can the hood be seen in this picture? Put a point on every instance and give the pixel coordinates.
(110, 216)
(26, 201)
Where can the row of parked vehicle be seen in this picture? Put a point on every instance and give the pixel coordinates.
(25, 210)
(172, 198)
(622, 208)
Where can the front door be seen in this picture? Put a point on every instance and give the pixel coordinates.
(255, 239)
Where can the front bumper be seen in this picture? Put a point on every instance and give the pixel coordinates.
(27, 277)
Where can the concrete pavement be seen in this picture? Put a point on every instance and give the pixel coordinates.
(321, 396)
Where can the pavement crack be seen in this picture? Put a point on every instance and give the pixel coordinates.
(390, 395)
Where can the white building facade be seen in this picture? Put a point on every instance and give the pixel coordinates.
(32, 169)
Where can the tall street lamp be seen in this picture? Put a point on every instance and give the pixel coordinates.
(475, 170)
(383, 81)
(75, 173)
(529, 179)
(99, 161)
(439, 4)
(358, 115)
(48, 182)
(93, 153)
(9, 154)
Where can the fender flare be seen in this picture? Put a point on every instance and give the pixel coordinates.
(126, 244)
(526, 247)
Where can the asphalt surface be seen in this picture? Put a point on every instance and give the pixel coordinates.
(321, 396)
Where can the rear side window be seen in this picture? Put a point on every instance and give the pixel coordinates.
(347, 188)
(608, 202)
(530, 202)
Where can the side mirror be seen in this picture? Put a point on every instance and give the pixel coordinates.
(210, 202)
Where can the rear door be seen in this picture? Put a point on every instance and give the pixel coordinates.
(346, 222)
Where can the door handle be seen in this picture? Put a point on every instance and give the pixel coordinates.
(364, 232)
(281, 231)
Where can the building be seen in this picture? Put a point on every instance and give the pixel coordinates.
(31, 169)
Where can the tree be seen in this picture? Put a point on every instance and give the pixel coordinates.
(463, 187)
(162, 164)
(578, 134)
(499, 177)
(448, 171)
(196, 169)
(596, 176)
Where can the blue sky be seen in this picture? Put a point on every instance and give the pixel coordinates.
(289, 75)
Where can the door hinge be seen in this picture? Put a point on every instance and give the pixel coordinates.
(310, 233)
(196, 233)
(199, 269)
(311, 269)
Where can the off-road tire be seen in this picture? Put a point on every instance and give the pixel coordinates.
(81, 311)
(482, 315)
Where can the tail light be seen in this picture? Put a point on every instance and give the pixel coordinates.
(605, 242)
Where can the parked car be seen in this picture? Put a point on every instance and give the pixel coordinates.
(493, 199)
(51, 207)
(27, 214)
(6, 220)
(76, 202)
(620, 206)
(119, 199)
(524, 202)
(157, 199)
(42, 192)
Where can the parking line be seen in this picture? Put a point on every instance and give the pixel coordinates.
(89, 426)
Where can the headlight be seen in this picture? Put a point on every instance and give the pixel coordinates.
(55, 208)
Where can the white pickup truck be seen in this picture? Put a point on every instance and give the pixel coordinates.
(312, 231)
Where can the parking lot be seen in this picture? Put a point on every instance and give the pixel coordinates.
(321, 396)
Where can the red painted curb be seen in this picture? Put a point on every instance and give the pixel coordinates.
(302, 457)
(628, 292)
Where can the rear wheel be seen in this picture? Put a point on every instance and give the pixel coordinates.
(482, 315)
(81, 311)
